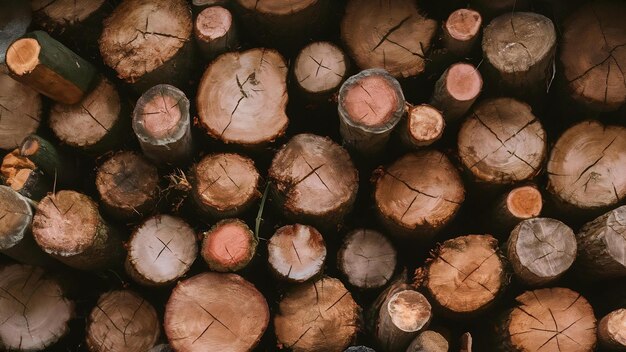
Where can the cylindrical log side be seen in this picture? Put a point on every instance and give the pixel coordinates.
(228, 246)
(456, 90)
(215, 31)
(296, 253)
(23, 176)
(423, 126)
(612, 331)
(520, 203)
(20, 110)
(461, 31)
(49, 159)
(319, 70)
(429, 341)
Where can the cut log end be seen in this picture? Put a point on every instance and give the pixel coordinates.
(276, 8)
(372, 101)
(228, 246)
(21, 174)
(160, 116)
(63, 13)
(15, 218)
(524, 202)
(409, 310)
(21, 110)
(429, 341)
(425, 125)
(612, 331)
(320, 68)
(212, 23)
(463, 25)
(464, 82)
(367, 258)
(296, 253)
(23, 56)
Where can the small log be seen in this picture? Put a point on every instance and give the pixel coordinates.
(549, 319)
(49, 159)
(296, 253)
(461, 30)
(591, 55)
(162, 124)
(392, 35)
(14, 22)
(418, 194)
(300, 326)
(34, 310)
(95, 125)
(23, 176)
(371, 104)
(502, 142)
(50, 68)
(225, 185)
(68, 227)
(612, 331)
(242, 97)
(456, 90)
(20, 110)
(128, 185)
(149, 42)
(429, 341)
(490, 9)
(423, 126)
(466, 342)
(520, 203)
(215, 31)
(541, 250)
(215, 312)
(367, 259)
(160, 251)
(313, 181)
(122, 321)
(319, 70)
(228, 246)
(401, 317)
(465, 275)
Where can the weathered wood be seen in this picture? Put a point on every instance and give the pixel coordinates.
(402, 315)
(429, 341)
(229, 245)
(319, 70)
(456, 90)
(199, 5)
(461, 30)
(215, 31)
(296, 253)
(14, 22)
(423, 126)
(23, 176)
(20, 110)
(367, 259)
(612, 331)
(520, 203)
(49, 159)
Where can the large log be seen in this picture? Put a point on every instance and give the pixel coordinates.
(319, 70)
(296, 253)
(229, 245)
(612, 331)
(20, 110)
(423, 126)
(456, 90)
(215, 32)
(515, 205)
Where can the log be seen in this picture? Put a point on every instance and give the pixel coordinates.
(225, 185)
(128, 186)
(466, 342)
(541, 250)
(319, 70)
(591, 55)
(456, 90)
(490, 9)
(418, 194)
(549, 319)
(296, 253)
(423, 126)
(161, 348)
(215, 312)
(68, 227)
(162, 124)
(23, 176)
(199, 5)
(367, 259)
(393, 35)
(14, 22)
(601, 244)
(242, 97)
(461, 30)
(20, 110)
(429, 341)
(502, 142)
(50, 68)
(371, 104)
(122, 321)
(612, 331)
(313, 181)
(215, 31)
(228, 246)
(465, 275)
(160, 251)
(33, 309)
(149, 42)
(95, 125)
(317, 316)
(359, 349)
(402, 315)
(520, 203)
(49, 159)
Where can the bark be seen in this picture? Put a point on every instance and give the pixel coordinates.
(612, 331)
(296, 253)
(215, 32)
(429, 341)
(367, 259)
(319, 70)
(23, 176)
(122, 321)
(456, 91)
(229, 245)
(160, 251)
(215, 311)
(317, 316)
(520, 203)
(461, 30)
(423, 126)
(49, 159)
(14, 22)
(20, 110)
(199, 5)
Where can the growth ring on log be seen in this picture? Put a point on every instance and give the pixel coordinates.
(367, 259)
(424, 126)
(296, 253)
(320, 68)
(20, 110)
(228, 246)
(65, 12)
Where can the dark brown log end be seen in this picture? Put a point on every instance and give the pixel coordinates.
(296, 253)
(228, 246)
(612, 331)
(320, 68)
(20, 108)
(425, 125)
(524, 202)
(367, 259)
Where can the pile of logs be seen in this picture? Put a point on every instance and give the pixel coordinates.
(312, 175)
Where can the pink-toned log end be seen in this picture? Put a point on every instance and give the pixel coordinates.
(464, 82)
(371, 102)
(212, 23)
(161, 116)
(229, 246)
(463, 24)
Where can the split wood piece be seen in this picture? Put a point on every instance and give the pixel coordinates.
(225, 185)
(20, 110)
(359, 349)
(461, 30)
(550, 319)
(49, 159)
(541, 250)
(34, 311)
(215, 32)
(502, 142)
(50, 68)
(367, 259)
(160, 251)
(215, 312)
(592, 55)
(423, 126)
(14, 22)
(199, 5)
(466, 342)
(67, 226)
(162, 124)
(456, 90)
(128, 185)
(612, 331)
(319, 70)
(601, 246)
(371, 104)
(519, 49)
(96, 125)
(313, 181)
(418, 194)
(586, 167)
(520, 203)
(228, 246)
(122, 321)
(466, 275)
(242, 97)
(490, 9)
(296, 253)
(393, 35)
(429, 341)
(401, 317)
(23, 176)
(317, 316)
